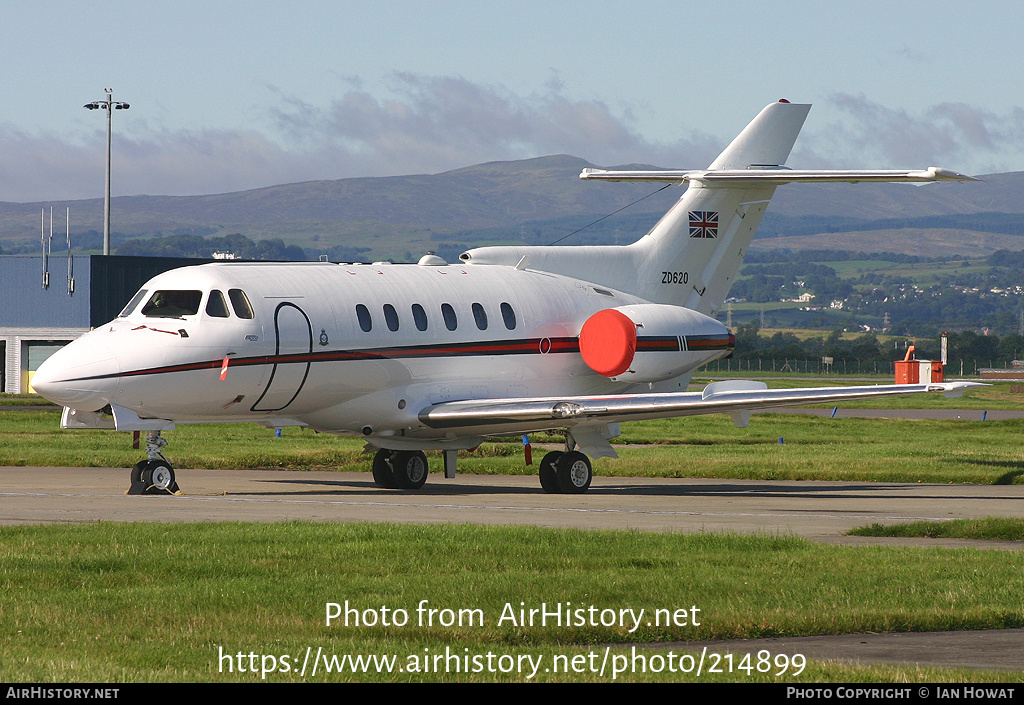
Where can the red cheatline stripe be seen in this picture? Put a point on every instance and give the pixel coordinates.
(670, 343)
(516, 347)
(706, 342)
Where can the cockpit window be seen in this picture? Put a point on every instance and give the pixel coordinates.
(240, 303)
(133, 303)
(173, 304)
(216, 306)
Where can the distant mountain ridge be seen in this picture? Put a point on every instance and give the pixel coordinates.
(532, 200)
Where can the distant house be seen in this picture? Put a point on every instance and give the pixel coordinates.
(804, 298)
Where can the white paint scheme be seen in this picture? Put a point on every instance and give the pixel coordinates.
(304, 358)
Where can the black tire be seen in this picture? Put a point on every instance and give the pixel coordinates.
(410, 469)
(382, 475)
(548, 472)
(157, 476)
(574, 472)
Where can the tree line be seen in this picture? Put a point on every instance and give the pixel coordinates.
(966, 345)
(183, 245)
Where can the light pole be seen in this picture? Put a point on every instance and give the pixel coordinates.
(109, 104)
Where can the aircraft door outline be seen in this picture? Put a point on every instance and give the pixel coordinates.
(293, 335)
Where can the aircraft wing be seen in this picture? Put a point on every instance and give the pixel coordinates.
(737, 397)
(780, 175)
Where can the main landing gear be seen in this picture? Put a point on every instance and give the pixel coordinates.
(400, 469)
(561, 472)
(154, 475)
(565, 472)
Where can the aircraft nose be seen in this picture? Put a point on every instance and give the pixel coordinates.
(81, 375)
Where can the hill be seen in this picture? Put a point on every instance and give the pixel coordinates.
(538, 201)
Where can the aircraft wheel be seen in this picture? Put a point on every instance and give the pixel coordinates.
(548, 472)
(410, 469)
(137, 471)
(574, 473)
(382, 474)
(154, 477)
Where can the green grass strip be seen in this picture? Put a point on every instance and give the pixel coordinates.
(814, 448)
(990, 528)
(140, 602)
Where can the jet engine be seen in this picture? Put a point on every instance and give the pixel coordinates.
(651, 342)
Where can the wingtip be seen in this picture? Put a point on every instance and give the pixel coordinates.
(941, 174)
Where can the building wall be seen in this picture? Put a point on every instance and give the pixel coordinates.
(26, 303)
(35, 319)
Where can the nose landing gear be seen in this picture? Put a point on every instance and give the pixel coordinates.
(154, 475)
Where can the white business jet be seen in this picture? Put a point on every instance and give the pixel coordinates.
(510, 340)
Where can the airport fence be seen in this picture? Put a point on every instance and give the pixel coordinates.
(843, 366)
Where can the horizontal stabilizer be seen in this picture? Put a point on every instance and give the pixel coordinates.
(779, 175)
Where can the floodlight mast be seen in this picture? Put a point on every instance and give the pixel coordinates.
(109, 104)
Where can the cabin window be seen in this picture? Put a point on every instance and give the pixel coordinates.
(173, 303)
(363, 315)
(133, 303)
(451, 321)
(391, 317)
(508, 315)
(216, 306)
(419, 317)
(240, 303)
(480, 316)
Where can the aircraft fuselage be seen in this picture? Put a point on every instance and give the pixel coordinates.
(355, 349)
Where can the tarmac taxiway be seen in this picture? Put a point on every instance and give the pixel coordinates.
(817, 510)
(820, 511)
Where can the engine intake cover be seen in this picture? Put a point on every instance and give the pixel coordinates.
(651, 342)
(608, 342)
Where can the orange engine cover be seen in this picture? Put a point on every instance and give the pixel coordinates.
(651, 342)
(608, 342)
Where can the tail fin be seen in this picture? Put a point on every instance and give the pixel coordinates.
(692, 255)
(767, 140)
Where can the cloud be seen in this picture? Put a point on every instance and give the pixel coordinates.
(428, 124)
(954, 135)
(32, 166)
(423, 124)
(47, 167)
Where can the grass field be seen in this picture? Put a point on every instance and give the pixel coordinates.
(114, 603)
(991, 528)
(703, 446)
(921, 273)
(148, 602)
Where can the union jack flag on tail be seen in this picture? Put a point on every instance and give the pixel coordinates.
(703, 224)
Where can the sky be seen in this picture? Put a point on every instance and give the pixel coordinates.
(232, 95)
